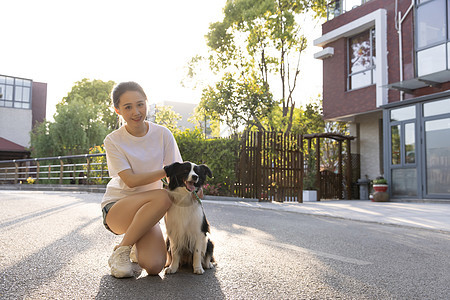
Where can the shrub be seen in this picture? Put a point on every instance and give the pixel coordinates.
(218, 154)
(379, 180)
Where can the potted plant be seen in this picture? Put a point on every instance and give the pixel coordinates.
(380, 184)
(380, 187)
(309, 183)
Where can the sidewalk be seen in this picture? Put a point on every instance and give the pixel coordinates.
(434, 216)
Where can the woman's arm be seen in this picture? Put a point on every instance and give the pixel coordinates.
(133, 180)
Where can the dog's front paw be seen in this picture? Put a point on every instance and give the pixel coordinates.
(199, 271)
(170, 270)
(209, 265)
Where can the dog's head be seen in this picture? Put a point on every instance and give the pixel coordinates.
(188, 175)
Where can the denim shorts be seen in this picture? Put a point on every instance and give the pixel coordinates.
(105, 211)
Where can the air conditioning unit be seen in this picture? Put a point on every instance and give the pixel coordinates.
(325, 53)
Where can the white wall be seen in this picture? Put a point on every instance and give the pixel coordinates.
(15, 125)
(370, 147)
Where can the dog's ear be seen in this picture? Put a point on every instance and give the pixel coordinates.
(207, 170)
(172, 169)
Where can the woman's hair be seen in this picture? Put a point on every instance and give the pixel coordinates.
(125, 87)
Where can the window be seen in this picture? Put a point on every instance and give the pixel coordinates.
(361, 58)
(15, 92)
(403, 136)
(432, 36)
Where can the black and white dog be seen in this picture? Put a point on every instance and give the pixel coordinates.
(186, 224)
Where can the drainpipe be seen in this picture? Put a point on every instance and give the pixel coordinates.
(398, 26)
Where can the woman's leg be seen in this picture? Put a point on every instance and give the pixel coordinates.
(136, 215)
(151, 251)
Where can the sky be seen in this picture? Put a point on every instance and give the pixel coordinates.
(60, 42)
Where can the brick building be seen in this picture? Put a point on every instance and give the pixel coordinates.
(22, 105)
(386, 70)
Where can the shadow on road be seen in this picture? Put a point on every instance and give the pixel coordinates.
(41, 267)
(184, 284)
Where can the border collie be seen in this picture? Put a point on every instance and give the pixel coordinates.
(186, 224)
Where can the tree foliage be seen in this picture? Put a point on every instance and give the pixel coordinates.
(236, 102)
(261, 38)
(82, 120)
(166, 116)
(96, 95)
(219, 154)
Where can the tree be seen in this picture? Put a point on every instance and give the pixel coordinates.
(41, 142)
(82, 120)
(237, 102)
(164, 115)
(97, 95)
(263, 38)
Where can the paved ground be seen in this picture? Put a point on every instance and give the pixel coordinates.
(435, 216)
(53, 246)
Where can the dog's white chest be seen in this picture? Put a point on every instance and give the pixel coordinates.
(185, 216)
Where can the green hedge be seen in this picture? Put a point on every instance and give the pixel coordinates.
(219, 154)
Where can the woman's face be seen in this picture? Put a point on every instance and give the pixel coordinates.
(132, 107)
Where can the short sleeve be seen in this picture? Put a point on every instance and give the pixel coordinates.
(116, 160)
(171, 151)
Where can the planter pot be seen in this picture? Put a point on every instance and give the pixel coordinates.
(309, 196)
(380, 187)
(380, 197)
(380, 194)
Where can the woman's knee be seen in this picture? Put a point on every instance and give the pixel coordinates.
(165, 199)
(153, 267)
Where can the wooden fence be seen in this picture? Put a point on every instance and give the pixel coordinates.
(270, 167)
(74, 169)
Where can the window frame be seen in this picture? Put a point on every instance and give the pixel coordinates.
(371, 68)
(16, 92)
(445, 42)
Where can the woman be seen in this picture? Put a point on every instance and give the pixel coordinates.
(134, 201)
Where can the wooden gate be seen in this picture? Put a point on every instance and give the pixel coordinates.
(270, 167)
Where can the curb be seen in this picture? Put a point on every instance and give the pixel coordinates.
(96, 189)
(54, 187)
(224, 198)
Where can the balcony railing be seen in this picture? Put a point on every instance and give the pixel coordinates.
(75, 169)
(339, 7)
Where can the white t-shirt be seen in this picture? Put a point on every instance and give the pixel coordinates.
(148, 153)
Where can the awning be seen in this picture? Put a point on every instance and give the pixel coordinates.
(434, 80)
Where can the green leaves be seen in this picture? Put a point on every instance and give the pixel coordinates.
(219, 154)
(237, 102)
(167, 117)
(256, 42)
(83, 118)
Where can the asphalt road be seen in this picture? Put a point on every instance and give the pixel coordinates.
(53, 246)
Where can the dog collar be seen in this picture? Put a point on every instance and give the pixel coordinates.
(165, 183)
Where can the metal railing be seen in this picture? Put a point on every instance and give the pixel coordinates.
(339, 7)
(74, 169)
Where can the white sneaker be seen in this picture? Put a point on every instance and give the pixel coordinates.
(120, 263)
(133, 255)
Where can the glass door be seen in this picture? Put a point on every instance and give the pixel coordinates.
(436, 133)
(437, 153)
(404, 181)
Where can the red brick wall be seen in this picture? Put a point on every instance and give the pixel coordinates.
(338, 102)
(39, 102)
